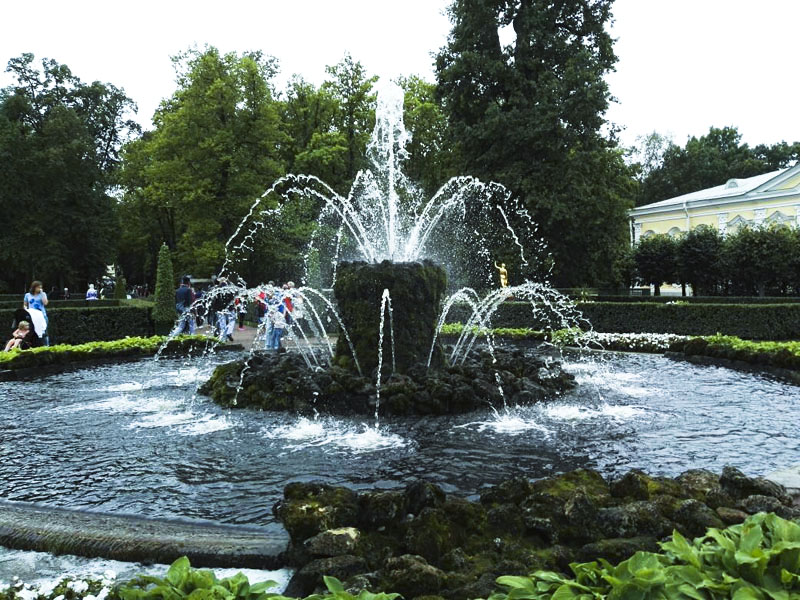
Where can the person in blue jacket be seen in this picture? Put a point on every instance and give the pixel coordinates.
(36, 299)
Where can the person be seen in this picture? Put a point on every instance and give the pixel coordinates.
(241, 309)
(278, 318)
(21, 338)
(66, 293)
(91, 293)
(184, 297)
(36, 299)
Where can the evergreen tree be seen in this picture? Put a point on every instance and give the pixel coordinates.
(530, 115)
(120, 285)
(164, 309)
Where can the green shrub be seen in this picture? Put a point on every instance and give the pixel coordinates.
(120, 286)
(164, 310)
(80, 325)
(182, 581)
(758, 559)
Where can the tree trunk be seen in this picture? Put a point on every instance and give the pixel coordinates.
(657, 290)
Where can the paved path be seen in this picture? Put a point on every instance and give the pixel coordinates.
(121, 537)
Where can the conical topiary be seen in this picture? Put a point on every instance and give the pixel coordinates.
(120, 286)
(164, 310)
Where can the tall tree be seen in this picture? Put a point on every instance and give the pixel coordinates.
(531, 116)
(59, 152)
(656, 260)
(214, 150)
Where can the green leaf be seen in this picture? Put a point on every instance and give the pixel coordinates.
(178, 571)
(334, 585)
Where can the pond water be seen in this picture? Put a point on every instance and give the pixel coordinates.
(134, 438)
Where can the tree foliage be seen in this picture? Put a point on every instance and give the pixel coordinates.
(699, 259)
(655, 258)
(60, 140)
(531, 116)
(705, 162)
(213, 151)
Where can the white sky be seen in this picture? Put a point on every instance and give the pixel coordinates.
(684, 65)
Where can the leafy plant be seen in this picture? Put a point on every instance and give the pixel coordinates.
(756, 560)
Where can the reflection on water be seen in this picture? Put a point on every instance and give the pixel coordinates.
(134, 437)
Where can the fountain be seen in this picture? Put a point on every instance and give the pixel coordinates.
(388, 254)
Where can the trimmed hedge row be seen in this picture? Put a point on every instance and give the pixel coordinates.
(781, 355)
(749, 321)
(56, 304)
(755, 322)
(82, 325)
(63, 354)
(700, 299)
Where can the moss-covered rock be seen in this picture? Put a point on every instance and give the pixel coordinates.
(285, 382)
(416, 291)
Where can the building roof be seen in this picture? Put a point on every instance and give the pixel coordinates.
(732, 190)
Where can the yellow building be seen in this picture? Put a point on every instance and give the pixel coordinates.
(771, 198)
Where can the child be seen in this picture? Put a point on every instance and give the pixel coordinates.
(20, 338)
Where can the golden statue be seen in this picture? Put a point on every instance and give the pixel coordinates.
(503, 274)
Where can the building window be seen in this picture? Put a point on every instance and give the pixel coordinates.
(674, 232)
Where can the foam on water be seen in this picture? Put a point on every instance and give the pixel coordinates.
(45, 571)
(161, 419)
(579, 412)
(206, 424)
(334, 433)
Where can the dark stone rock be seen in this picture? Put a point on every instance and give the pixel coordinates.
(632, 485)
(581, 514)
(616, 550)
(286, 383)
(482, 588)
(455, 560)
(740, 486)
(311, 508)
(512, 491)
(379, 509)
(758, 503)
(731, 516)
(694, 518)
(506, 518)
(634, 519)
(563, 486)
(542, 527)
(716, 497)
(333, 542)
(309, 578)
(412, 576)
(421, 494)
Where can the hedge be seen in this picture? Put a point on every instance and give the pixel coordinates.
(700, 299)
(749, 321)
(56, 304)
(64, 354)
(81, 325)
(755, 322)
(779, 355)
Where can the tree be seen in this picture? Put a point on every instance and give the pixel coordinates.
(120, 285)
(758, 258)
(164, 309)
(531, 116)
(430, 162)
(59, 152)
(213, 151)
(351, 88)
(655, 258)
(708, 161)
(699, 254)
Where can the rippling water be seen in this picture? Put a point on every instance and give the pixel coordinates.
(134, 438)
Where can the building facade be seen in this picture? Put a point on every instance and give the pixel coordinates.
(763, 200)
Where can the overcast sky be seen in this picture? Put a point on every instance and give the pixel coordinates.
(684, 65)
